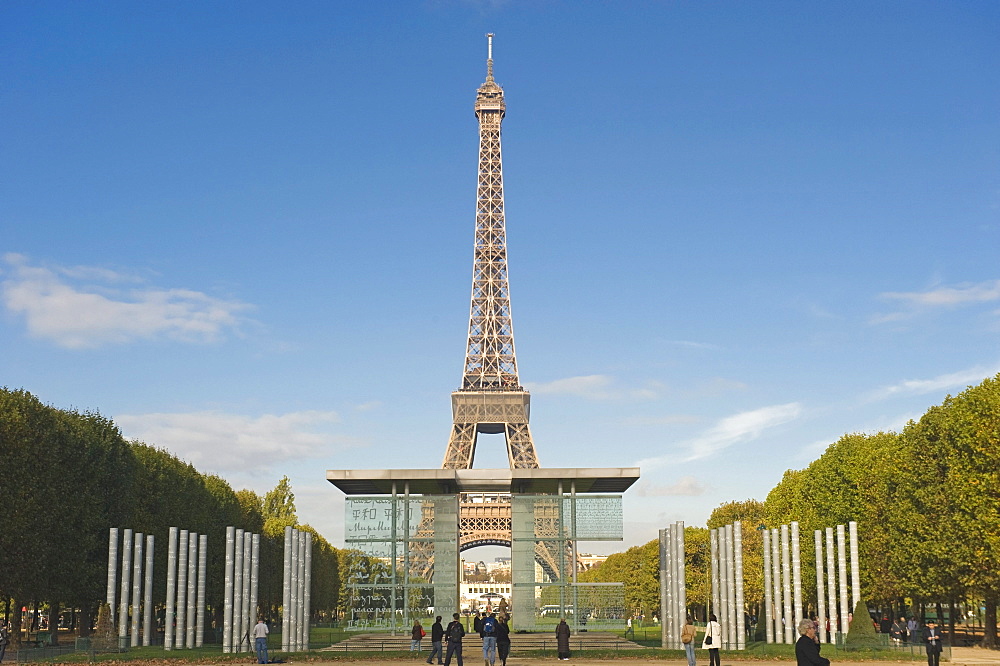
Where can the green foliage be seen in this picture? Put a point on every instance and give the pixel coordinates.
(104, 637)
(67, 477)
(639, 569)
(861, 632)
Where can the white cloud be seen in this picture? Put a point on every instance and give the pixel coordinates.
(920, 301)
(945, 296)
(952, 380)
(691, 344)
(216, 442)
(595, 387)
(687, 486)
(587, 386)
(669, 419)
(742, 427)
(85, 307)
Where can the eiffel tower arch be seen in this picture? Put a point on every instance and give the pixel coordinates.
(415, 523)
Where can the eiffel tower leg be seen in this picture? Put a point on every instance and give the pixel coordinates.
(520, 448)
(461, 447)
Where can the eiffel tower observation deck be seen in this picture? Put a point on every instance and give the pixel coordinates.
(416, 522)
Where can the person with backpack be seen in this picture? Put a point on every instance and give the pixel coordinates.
(489, 632)
(453, 634)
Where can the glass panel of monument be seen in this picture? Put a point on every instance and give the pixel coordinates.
(544, 530)
(404, 558)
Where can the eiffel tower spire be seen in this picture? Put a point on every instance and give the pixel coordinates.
(491, 399)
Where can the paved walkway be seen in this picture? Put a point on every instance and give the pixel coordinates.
(961, 656)
(973, 655)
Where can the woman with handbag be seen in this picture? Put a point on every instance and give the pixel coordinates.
(417, 634)
(713, 640)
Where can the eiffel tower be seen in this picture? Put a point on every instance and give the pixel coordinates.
(491, 399)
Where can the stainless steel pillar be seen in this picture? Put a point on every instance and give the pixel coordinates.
(168, 620)
(199, 630)
(796, 576)
(831, 587)
(768, 597)
(227, 594)
(181, 603)
(729, 628)
(286, 593)
(664, 589)
(112, 570)
(136, 588)
(245, 623)
(852, 528)
(148, 628)
(126, 584)
(682, 579)
(786, 585)
(716, 586)
(779, 607)
(845, 610)
(307, 590)
(254, 576)
(294, 611)
(820, 590)
(741, 627)
(192, 589)
(238, 592)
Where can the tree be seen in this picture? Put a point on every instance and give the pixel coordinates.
(952, 484)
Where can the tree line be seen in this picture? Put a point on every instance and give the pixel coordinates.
(927, 504)
(67, 476)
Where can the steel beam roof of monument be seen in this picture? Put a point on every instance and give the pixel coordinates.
(443, 481)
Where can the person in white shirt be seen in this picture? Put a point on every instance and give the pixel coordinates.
(260, 632)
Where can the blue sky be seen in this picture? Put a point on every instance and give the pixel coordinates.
(737, 231)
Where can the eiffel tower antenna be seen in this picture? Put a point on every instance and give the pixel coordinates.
(491, 399)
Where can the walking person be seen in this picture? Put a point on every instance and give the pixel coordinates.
(807, 647)
(453, 634)
(417, 634)
(933, 638)
(503, 639)
(687, 639)
(562, 639)
(712, 640)
(260, 632)
(4, 638)
(898, 631)
(488, 629)
(437, 638)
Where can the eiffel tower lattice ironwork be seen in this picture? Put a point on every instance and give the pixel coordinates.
(491, 399)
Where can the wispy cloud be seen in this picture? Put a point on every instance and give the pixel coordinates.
(690, 344)
(668, 419)
(686, 486)
(221, 442)
(85, 307)
(946, 382)
(594, 387)
(940, 297)
(742, 427)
